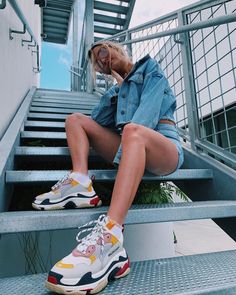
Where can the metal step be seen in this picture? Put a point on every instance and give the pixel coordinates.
(46, 116)
(106, 30)
(26, 221)
(47, 124)
(62, 105)
(67, 101)
(110, 7)
(59, 111)
(42, 134)
(211, 273)
(109, 19)
(29, 176)
(62, 94)
(46, 151)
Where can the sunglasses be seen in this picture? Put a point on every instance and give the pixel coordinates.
(103, 52)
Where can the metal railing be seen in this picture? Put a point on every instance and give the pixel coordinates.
(196, 48)
(26, 27)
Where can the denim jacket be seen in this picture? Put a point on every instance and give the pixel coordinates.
(143, 98)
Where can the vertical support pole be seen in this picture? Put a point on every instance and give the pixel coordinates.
(89, 39)
(191, 102)
(129, 46)
(75, 48)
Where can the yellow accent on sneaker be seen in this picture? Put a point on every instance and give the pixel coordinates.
(92, 258)
(114, 240)
(90, 187)
(110, 224)
(74, 182)
(60, 264)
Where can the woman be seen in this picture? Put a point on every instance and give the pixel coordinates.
(133, 127)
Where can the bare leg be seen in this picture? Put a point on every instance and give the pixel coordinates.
(141, 148)
(81, 132)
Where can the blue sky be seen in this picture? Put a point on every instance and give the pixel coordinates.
(56, 59)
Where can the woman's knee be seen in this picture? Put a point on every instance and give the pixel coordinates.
(132, 132)
(75, 120)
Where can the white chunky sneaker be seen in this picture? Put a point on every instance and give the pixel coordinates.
(98, 258)
(68, 193)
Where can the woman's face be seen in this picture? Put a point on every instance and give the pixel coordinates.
(107, 59)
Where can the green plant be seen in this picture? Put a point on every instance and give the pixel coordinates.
(162, 193)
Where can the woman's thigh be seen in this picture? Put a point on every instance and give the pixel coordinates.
(105, 141)
(161, 153)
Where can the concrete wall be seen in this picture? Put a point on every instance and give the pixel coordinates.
(16, 61)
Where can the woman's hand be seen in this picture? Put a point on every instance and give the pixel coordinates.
(118, 78)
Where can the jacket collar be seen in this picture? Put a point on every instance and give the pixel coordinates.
(137, 64)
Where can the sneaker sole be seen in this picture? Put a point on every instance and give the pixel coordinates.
(72, 203)
(123, 271)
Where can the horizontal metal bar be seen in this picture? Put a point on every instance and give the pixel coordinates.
(46, 116)
(43, 135)
(58, 111)
(27, 221)
(110, 7)
(91, 103)
(109, 19)
(46, 151)
(186, 28)
(103, 175)
(217, 151)
(105, 30)
(48, 124)
(62, 105)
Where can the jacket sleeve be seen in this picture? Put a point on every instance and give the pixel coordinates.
(104, 112)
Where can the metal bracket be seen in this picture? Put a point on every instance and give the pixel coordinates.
(26, 41)
(3, 4)
(178, 40)
(16, 32)
(31, 45)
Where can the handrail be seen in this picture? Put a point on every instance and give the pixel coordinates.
(20, 14)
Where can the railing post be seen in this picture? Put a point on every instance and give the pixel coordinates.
(89, 39)
(129, 46)
(190, 94)
(75, 48)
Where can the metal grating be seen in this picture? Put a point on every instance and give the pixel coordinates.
(56, 20)
(213, 273)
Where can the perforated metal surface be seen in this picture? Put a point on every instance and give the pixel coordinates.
(213, 273)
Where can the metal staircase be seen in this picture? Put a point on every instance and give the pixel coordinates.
(43, 142)
(34, 152)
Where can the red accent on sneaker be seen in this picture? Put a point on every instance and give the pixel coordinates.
(95, 201)
(52, 280)
(123, 269)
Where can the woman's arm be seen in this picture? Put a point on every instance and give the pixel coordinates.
(104, 112)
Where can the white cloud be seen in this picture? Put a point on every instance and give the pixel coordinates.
(147, 10)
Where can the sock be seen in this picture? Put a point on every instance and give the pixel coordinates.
(115, 228)
(81, 178)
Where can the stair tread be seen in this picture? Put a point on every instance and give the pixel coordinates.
(26, 176)
(194, 274)
(46, 151)
(59, 111)
(24, 221)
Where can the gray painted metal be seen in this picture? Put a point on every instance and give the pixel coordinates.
(109, 19)
(67, 101)
(63, 94)
(110, 7)
(103, 175)
(11, 139)
(60, 117)
(56, 20)
(26, 221)
(105, 30)
(44, 124)
(46, 151)
(59, 111)
(62, 105)
(212, 273)
(42, 134)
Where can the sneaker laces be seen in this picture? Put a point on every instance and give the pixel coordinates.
(60, 182)
(96, 232)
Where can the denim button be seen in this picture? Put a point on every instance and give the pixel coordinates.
(122, 112)
(123, 95)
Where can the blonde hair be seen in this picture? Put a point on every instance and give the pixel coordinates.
(110, 44)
